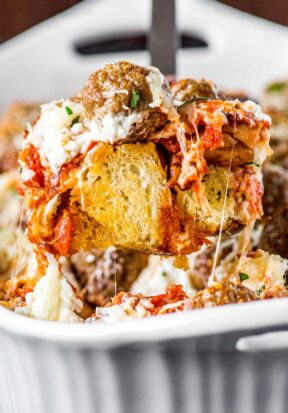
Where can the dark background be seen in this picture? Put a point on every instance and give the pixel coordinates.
(18, 15)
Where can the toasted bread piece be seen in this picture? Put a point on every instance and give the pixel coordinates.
(127, 202)
(214, 184)
(124, 194)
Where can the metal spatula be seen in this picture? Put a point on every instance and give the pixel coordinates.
(163, 38)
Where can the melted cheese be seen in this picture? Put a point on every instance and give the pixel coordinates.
(155, 81)
(261, 269)
(161, 95)
(159, 275)
(112, 127)
(252, 107)
(58, 141)
(126, 310)
(26, 173)
(53, 298)
(53, 135)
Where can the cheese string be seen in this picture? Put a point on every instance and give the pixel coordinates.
(212, 275)
(20, 258)
(114, 256)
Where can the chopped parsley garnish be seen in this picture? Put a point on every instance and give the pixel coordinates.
(164, 273)
(134, 99)
(76, 120)
(260, 290)
(243, 276)
(68, 110)
(276, 87)
(218, 196)
(192, 100)
(243, 198)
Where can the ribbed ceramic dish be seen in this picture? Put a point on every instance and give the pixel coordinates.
(173, 364)
(205, 361)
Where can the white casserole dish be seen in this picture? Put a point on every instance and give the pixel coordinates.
(175, 363)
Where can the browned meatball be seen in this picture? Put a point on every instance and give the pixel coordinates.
(221, 294)
(12, 124)
(201, 270)
(104, 273)
(189, 89)
(274, 236)
(127, 102)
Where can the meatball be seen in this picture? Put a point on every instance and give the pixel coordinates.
(220, 294)
(104, 273)
(189, 89)
(201, 269)
(274, 236)
(126, 102)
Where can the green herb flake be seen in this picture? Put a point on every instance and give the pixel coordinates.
(218, 196)
(243, 276)
(251, 163)
(164, 273)
(243, 198)
(229, 192)
(192, 100)
(276, 87)
(76, 120)
(260, 290)
(68, 110)
(198, 99)
(134, 99)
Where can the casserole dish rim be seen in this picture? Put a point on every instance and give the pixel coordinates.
(193, 323)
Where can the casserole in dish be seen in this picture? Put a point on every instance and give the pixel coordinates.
(78, 347)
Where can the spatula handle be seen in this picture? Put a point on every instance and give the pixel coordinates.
(163, 36)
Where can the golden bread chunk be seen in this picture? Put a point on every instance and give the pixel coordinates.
(124, 194)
